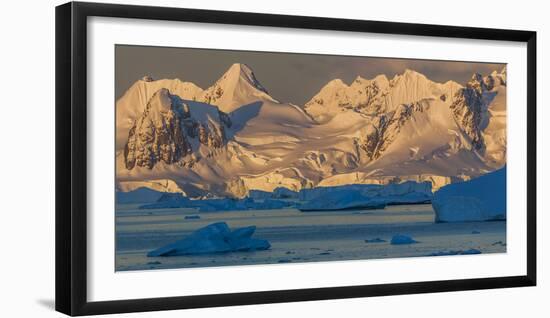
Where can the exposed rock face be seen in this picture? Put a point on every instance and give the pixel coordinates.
(386, 127)
(389, 104)
(471, 107)
(164, 130)
(470, 110)
(157, 135)
(363, 96)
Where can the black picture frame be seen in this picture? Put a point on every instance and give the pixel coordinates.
(71, 157)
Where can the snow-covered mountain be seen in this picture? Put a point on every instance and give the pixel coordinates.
(236, 88)
(234, 137)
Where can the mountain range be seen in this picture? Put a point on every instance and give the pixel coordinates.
(234, 137)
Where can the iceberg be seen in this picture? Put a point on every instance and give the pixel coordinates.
(192, 217)
(375, 240)
(341, 200)
(480, 199)
(401, 239)
(213, 238)
(172, 203)
(284, 193)
(408, 192)
(259, 194)
(139, 195)
(278, 193)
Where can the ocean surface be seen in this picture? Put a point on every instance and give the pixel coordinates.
(301, 236)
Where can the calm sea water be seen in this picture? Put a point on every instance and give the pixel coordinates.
(300, 236)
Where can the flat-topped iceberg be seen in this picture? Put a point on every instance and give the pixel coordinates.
(364, 196)
(214, 238)
(278, 193)
(139, 195)
(480, 199)
(409, 192)
(342, 200)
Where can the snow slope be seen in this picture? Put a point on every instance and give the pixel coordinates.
(162, 185)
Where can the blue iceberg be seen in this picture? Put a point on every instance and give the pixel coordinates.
(278, 193)
(366, 195)
(214, 238)
(401, 239)
(139, 195)
(480, 199)
(342, 200)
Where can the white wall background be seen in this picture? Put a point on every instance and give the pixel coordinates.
(27, 159)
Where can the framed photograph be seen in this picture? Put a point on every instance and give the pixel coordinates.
(209, 158)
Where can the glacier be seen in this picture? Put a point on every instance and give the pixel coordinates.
(213, 238)
(480, 199)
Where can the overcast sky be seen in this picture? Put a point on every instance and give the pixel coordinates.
(288, 77)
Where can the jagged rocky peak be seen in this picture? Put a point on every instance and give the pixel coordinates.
(363, 95)
(336, 83)
(238, 86)
(147, 78)
(477, 82)
(471, 106)
(376, 96)
(498, 78)
(164, 131)
(157, 134)
(243, 71)
(409, 79)
(410, 75)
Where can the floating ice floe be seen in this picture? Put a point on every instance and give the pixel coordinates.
(192, 217)
(214, 238)
(471, 251)
(211, 205)
(244, 204)
(375, 240)
(401, 239)
(480, 199)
